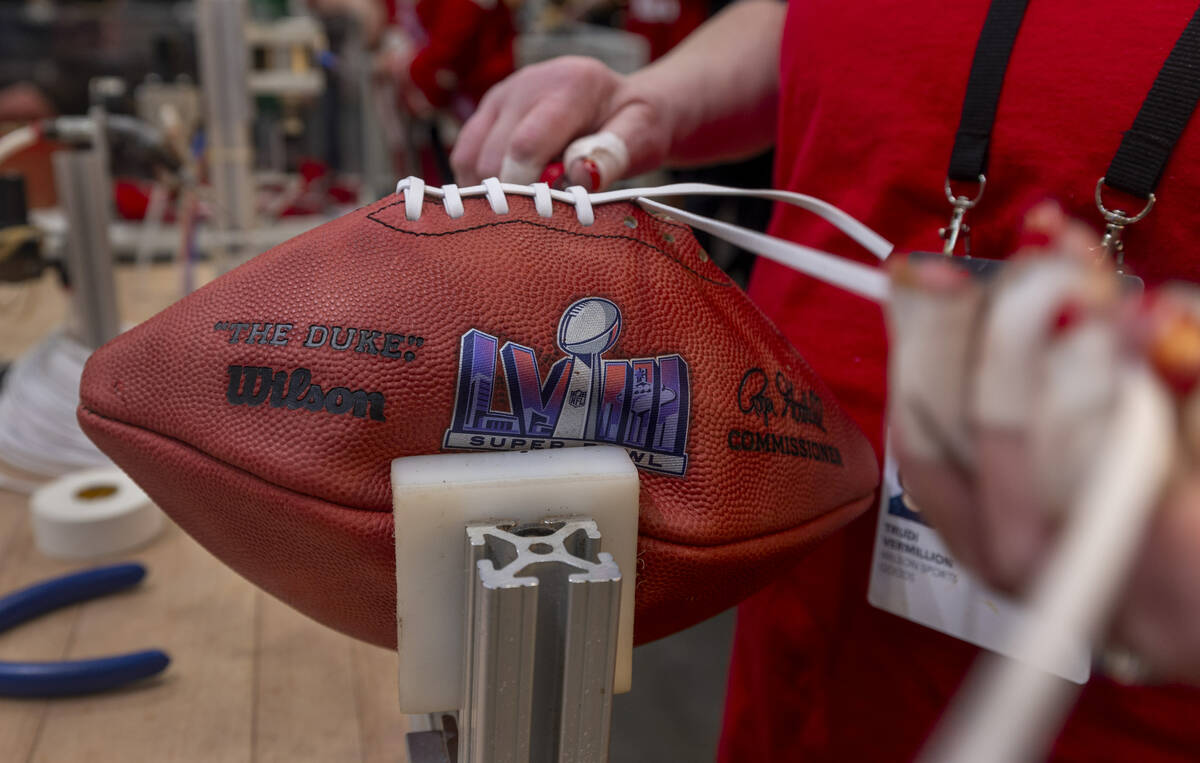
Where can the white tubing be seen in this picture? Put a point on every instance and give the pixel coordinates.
(38, 430)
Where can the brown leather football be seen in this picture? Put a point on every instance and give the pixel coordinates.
(262, 411)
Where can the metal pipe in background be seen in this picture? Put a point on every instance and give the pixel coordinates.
(84, 192)
(224, 68)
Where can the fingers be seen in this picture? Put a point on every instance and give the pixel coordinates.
(464, 158)
(932, 316)
(1025, 302)
(1160, 621)
(530, 119)
(1013, 524)
(939, 494)
(1039, 370)
(632, 141)
(999, 394)
(539, 137)
(491, 154)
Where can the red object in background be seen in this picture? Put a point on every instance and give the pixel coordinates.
(468, 47)
(34, 164)
(317, 194)
(131, 198)
(869, 106)
(664, 23)
(274, 450)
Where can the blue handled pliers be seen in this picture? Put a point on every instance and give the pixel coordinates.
(54, 679)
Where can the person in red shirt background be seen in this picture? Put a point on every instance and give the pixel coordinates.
(861, 101)
(440, 53)
(461, 47)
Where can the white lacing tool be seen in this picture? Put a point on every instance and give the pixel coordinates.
(1007, 712)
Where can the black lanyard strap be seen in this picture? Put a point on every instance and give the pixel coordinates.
(969, 158)
(1147, 146)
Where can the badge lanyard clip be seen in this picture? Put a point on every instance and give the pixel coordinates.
(958, 227)
(1115, 221)
(972, 141)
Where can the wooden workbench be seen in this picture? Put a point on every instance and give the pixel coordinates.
(250, 679)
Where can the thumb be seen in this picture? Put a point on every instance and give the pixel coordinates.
(631, 142)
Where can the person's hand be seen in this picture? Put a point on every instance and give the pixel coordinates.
(528, 120)
(1000, 391)
(1000, 395)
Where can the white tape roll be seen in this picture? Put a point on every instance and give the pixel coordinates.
(92, 513)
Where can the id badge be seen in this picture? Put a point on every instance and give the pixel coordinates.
(915, 576)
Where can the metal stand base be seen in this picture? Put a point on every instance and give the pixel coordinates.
(541, 638)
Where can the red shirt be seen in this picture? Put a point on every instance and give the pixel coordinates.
(467, 48)
(870, 96)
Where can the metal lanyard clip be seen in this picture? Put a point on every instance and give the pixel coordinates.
(958, 227)
(1115, 222)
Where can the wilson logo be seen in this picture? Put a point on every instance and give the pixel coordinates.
(254, 385)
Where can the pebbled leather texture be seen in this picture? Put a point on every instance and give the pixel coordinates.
(297, 497)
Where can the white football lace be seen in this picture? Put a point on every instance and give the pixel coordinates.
(862, 280)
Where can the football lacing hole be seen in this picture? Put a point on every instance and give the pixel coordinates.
(630, 222)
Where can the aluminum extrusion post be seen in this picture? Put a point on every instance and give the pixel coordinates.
(224, 69)
(81, 180)
(541, 644)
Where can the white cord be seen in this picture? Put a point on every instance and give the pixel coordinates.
(17, 141)
(870, 283)
(38, 430)
(415, 191)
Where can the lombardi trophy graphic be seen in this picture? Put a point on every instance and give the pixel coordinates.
(587, 329)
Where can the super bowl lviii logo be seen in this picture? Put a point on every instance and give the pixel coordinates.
(641, 404)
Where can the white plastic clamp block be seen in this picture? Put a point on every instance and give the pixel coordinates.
(437, 497)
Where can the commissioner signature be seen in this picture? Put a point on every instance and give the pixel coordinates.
(755, 399)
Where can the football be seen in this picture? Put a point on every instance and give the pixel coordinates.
(262, 411)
